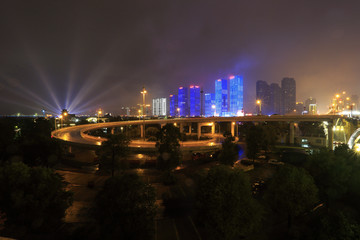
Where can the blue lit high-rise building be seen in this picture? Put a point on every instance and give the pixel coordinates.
(173, 105)
(183, 101)
(195, 103)
(236, 95)
(221, 97)
(209, 104)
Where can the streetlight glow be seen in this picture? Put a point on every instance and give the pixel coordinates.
(258, 102)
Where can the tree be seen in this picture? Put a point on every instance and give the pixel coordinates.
(32, 197)
(335, 172)
(292, 191)
(113, 151)
(229, 152)
(7, 138)
(311, 128)
(225, 204)
(151, 132)
(253, 141)
(168, 146)
(125, 208)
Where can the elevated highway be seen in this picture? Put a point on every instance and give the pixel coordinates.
(78, 135)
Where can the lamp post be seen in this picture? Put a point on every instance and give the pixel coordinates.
(143, 92)
(258, 102)
(99, 113)
(61, 118)
(214, 109)
(178, 112)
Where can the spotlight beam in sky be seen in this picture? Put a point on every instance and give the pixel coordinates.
(27, 93)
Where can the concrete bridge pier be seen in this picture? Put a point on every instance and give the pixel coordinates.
(142, 130)
(199, 130)
(181, 126)
(234, 129)
(330, 136)
(291, 133)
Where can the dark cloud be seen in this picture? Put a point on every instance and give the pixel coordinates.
(100, 53)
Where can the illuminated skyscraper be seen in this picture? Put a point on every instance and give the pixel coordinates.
(236, 95)
(221, 97)
(195, 103)
(183, 101)
(173, 105)
(159, 107)
(288, 87)
(209, 104)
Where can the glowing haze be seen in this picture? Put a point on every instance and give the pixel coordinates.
(83, 55)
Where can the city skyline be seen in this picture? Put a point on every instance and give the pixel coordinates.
(58, 55)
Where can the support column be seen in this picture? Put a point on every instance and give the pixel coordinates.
(190, 128)
(142, 131)
(112, 131)
(213, 129)
(181, 126)
(233, 129)
(330, 136)
(199, 131)
(291, 133)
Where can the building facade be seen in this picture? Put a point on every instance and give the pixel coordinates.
(183, 101)
(195, 101)
(236, 95)
(221, 97)
(275, 98)
(159, 107)
(288, 87)
(173, 105)
(209, 104)
(263, 94)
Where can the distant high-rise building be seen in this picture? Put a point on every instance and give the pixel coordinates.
(263, 94)
(159, 107)
(275, 98)
(236, 95)
(173, 105)
(299, 108)
(195, 101)
(312, 108)
(309, 101)
(355, 102)
(209, 104)
(221, 97)
(183, 101)
(288, 87)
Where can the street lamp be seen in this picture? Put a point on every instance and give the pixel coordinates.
(61, 118)
(143, 92)
(178, 112)
(99, 113)
(258, 102)
(214, 108)
(139, 113)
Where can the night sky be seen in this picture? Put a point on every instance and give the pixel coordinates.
(89, 54)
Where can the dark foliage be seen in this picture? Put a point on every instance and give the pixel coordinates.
(125, 208)
(225, 204)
